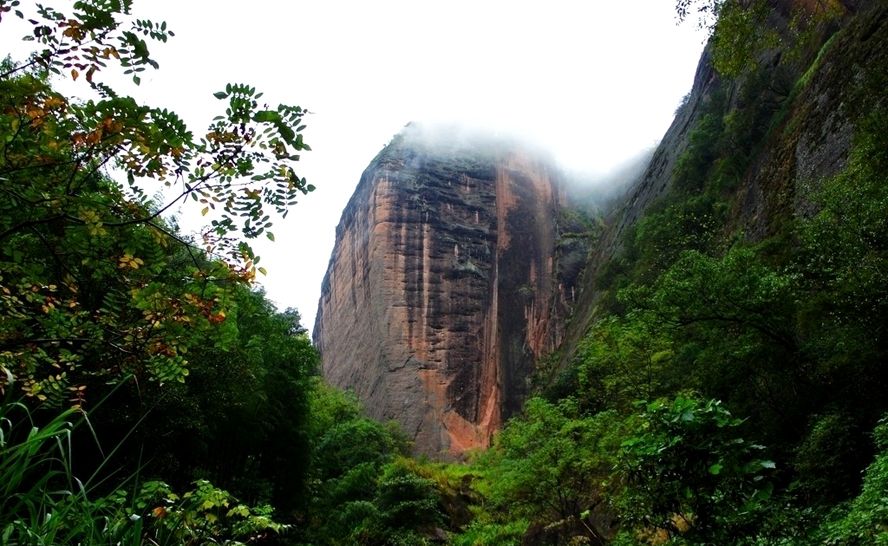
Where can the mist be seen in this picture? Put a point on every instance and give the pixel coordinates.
(601, 187)
(606, 188)
(592, 84)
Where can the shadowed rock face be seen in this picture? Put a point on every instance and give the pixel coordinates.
(809, 144)
(444, 288)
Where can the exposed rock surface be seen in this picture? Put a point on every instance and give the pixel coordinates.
(445, 285)
(810, 141)
(450, 277)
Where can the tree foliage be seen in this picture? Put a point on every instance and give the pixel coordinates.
(865, 519)
(552, 461)
(103, 300)
(688, 470)
(45, 501)
(96, 284)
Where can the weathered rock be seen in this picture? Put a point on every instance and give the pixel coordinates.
(443, 287)
(809, 141)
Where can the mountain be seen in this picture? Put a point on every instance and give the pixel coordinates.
(756, 144)
(447, 283)
(464, 278)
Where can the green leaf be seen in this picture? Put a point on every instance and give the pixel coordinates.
(220, 95)
(287, 133)
(266, 116)
(715, 469)
(270, 236)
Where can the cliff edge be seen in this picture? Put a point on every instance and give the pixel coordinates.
(446, 283)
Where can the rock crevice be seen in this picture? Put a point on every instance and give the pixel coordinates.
(442, 290)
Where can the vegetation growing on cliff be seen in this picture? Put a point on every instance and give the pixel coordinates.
(786, 328)
(732, 391)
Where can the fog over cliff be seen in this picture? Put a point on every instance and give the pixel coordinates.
(591, 83)
(448, 280)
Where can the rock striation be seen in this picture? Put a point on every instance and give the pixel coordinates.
(445, 285)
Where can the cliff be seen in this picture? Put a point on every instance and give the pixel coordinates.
(785, 124)
(445, 285)
(452, 276)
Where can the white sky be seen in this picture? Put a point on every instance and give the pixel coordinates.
(593, 81)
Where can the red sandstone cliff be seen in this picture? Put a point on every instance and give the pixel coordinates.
(444, 287)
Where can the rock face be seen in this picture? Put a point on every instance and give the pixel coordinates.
(444, 287)
(809, 142)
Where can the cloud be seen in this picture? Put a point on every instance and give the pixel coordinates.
(593, 83)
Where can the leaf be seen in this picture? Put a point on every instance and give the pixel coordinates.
(287, 133)
(715, 469)
(205, 211)
(266, 116)
(220, 95)
(270, 236)
(262, 270)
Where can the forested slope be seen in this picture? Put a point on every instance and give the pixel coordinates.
(722, 379)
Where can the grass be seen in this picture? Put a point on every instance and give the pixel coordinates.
(43, 502)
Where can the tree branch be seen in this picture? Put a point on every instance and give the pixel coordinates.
(29, 223)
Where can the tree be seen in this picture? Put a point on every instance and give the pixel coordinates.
(241, 420)
(707, 11)
(350, 454)
(94, 283)
(551, 464)
(737, 29)
(865, 519)
(97, 288)
(622, 360)
(730, 321)
(686, 469)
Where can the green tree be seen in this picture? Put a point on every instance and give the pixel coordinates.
(843, 263)
(241, 420)
(731, 322)
(88, 273)
(737, 28)
(98, 288)
(687, 469)
(551, 464)
(349, 456)
(865, 519)
(622, 360)
(405, 511)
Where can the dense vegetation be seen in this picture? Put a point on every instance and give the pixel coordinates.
(786, 329)
(730, 391)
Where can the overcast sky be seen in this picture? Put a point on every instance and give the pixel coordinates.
(593, 81)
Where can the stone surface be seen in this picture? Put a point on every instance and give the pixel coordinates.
(444, 287)
(811, 142)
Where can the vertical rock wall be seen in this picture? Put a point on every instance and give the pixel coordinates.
(442, 289)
